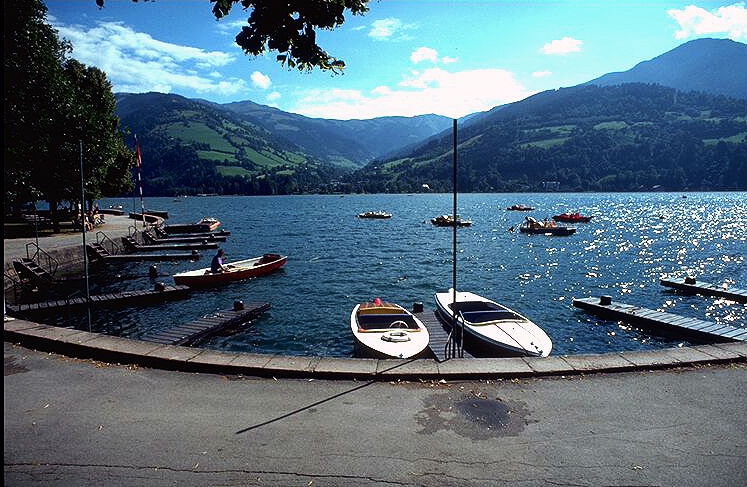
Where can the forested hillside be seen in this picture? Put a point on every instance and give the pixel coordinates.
(630, 137)
(190, 146)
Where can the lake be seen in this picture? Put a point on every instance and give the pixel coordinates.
(336, 260)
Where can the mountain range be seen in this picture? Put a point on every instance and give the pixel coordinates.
(677, 121)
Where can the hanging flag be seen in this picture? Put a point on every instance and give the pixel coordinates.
(139, 155)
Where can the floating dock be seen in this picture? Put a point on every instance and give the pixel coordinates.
(187, 228)
(160, 233)
(658, 321)
(124, 299)
(98, 252)
(131, 245)
(155, 240)
(194, 332)
(438, 333)
(691, 286)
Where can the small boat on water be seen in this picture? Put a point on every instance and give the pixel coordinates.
(379, 215)
(491, 328)
(535, 227)
(569, 217)
(237, 271)
(387, 330)
(205, 225)
(448, 221)
(520, 208)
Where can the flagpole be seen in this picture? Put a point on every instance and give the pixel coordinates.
(140, 180)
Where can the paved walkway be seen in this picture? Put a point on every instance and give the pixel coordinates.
(81, 422)
(88, 409)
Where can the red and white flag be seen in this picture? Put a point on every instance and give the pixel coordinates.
(139, 155)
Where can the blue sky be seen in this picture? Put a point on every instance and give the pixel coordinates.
(403, 57)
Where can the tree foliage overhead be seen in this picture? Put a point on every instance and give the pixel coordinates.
(289, 28)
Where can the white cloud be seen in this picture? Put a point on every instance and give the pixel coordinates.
(136, 62)
(260, 80)
(434, 90)
(424, 54)
(693, 21)
(388, 29)
(542, 74)
(274, 96)
(429, 54)
(562, 46)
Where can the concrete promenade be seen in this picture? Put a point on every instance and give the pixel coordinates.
(86, 409)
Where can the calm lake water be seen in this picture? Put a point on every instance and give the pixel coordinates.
(336, 260)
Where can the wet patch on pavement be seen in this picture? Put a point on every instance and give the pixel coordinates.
(11, 367)
(471, 416)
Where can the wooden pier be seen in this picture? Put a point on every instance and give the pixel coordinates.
(161, 233)
(128, 298)
(194, 332)
(658, 321)
(131, 245)
(438, 333)
(691, 286)
(152, 239)
(97, 252)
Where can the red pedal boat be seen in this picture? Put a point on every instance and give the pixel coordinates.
(572, 218)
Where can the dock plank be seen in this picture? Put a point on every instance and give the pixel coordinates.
(659, 321)
(48, 308)
(194, 332)
(706, 288)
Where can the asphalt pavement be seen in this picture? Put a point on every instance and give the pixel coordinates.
(73, 422)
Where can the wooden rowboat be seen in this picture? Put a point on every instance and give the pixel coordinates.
(237, 271)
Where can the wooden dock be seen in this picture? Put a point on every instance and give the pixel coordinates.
(665, 323)
(152, 239)
(160, 233)
(194, 332)
(691, 286)
(131, 245)
(438, 333)
(124, 299)
(97, 252)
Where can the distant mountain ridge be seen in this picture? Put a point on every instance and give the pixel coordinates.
(715, 66)
(248, 148)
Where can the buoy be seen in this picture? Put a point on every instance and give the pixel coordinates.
(153, 271)
(417, 307)
(238, 305)
(159, 286)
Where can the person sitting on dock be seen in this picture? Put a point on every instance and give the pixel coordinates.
(216, 266)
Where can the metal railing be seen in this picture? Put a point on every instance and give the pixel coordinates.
(40, 254)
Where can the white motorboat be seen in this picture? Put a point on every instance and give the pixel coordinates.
(493, 328)
(387, 330)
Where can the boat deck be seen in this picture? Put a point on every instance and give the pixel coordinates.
(197, 331)
(665, 323)
(132, 246)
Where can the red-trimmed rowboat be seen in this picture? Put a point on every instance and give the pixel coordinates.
(237, 271)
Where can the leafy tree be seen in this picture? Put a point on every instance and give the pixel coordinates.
(32, 68)
(289, 27)
(52, 104)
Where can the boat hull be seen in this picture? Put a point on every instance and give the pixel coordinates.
(511, 336)
(555, 231)
(374, 338)
(572, 219)
(238, 271)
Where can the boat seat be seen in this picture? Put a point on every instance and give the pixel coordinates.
(372, 322)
